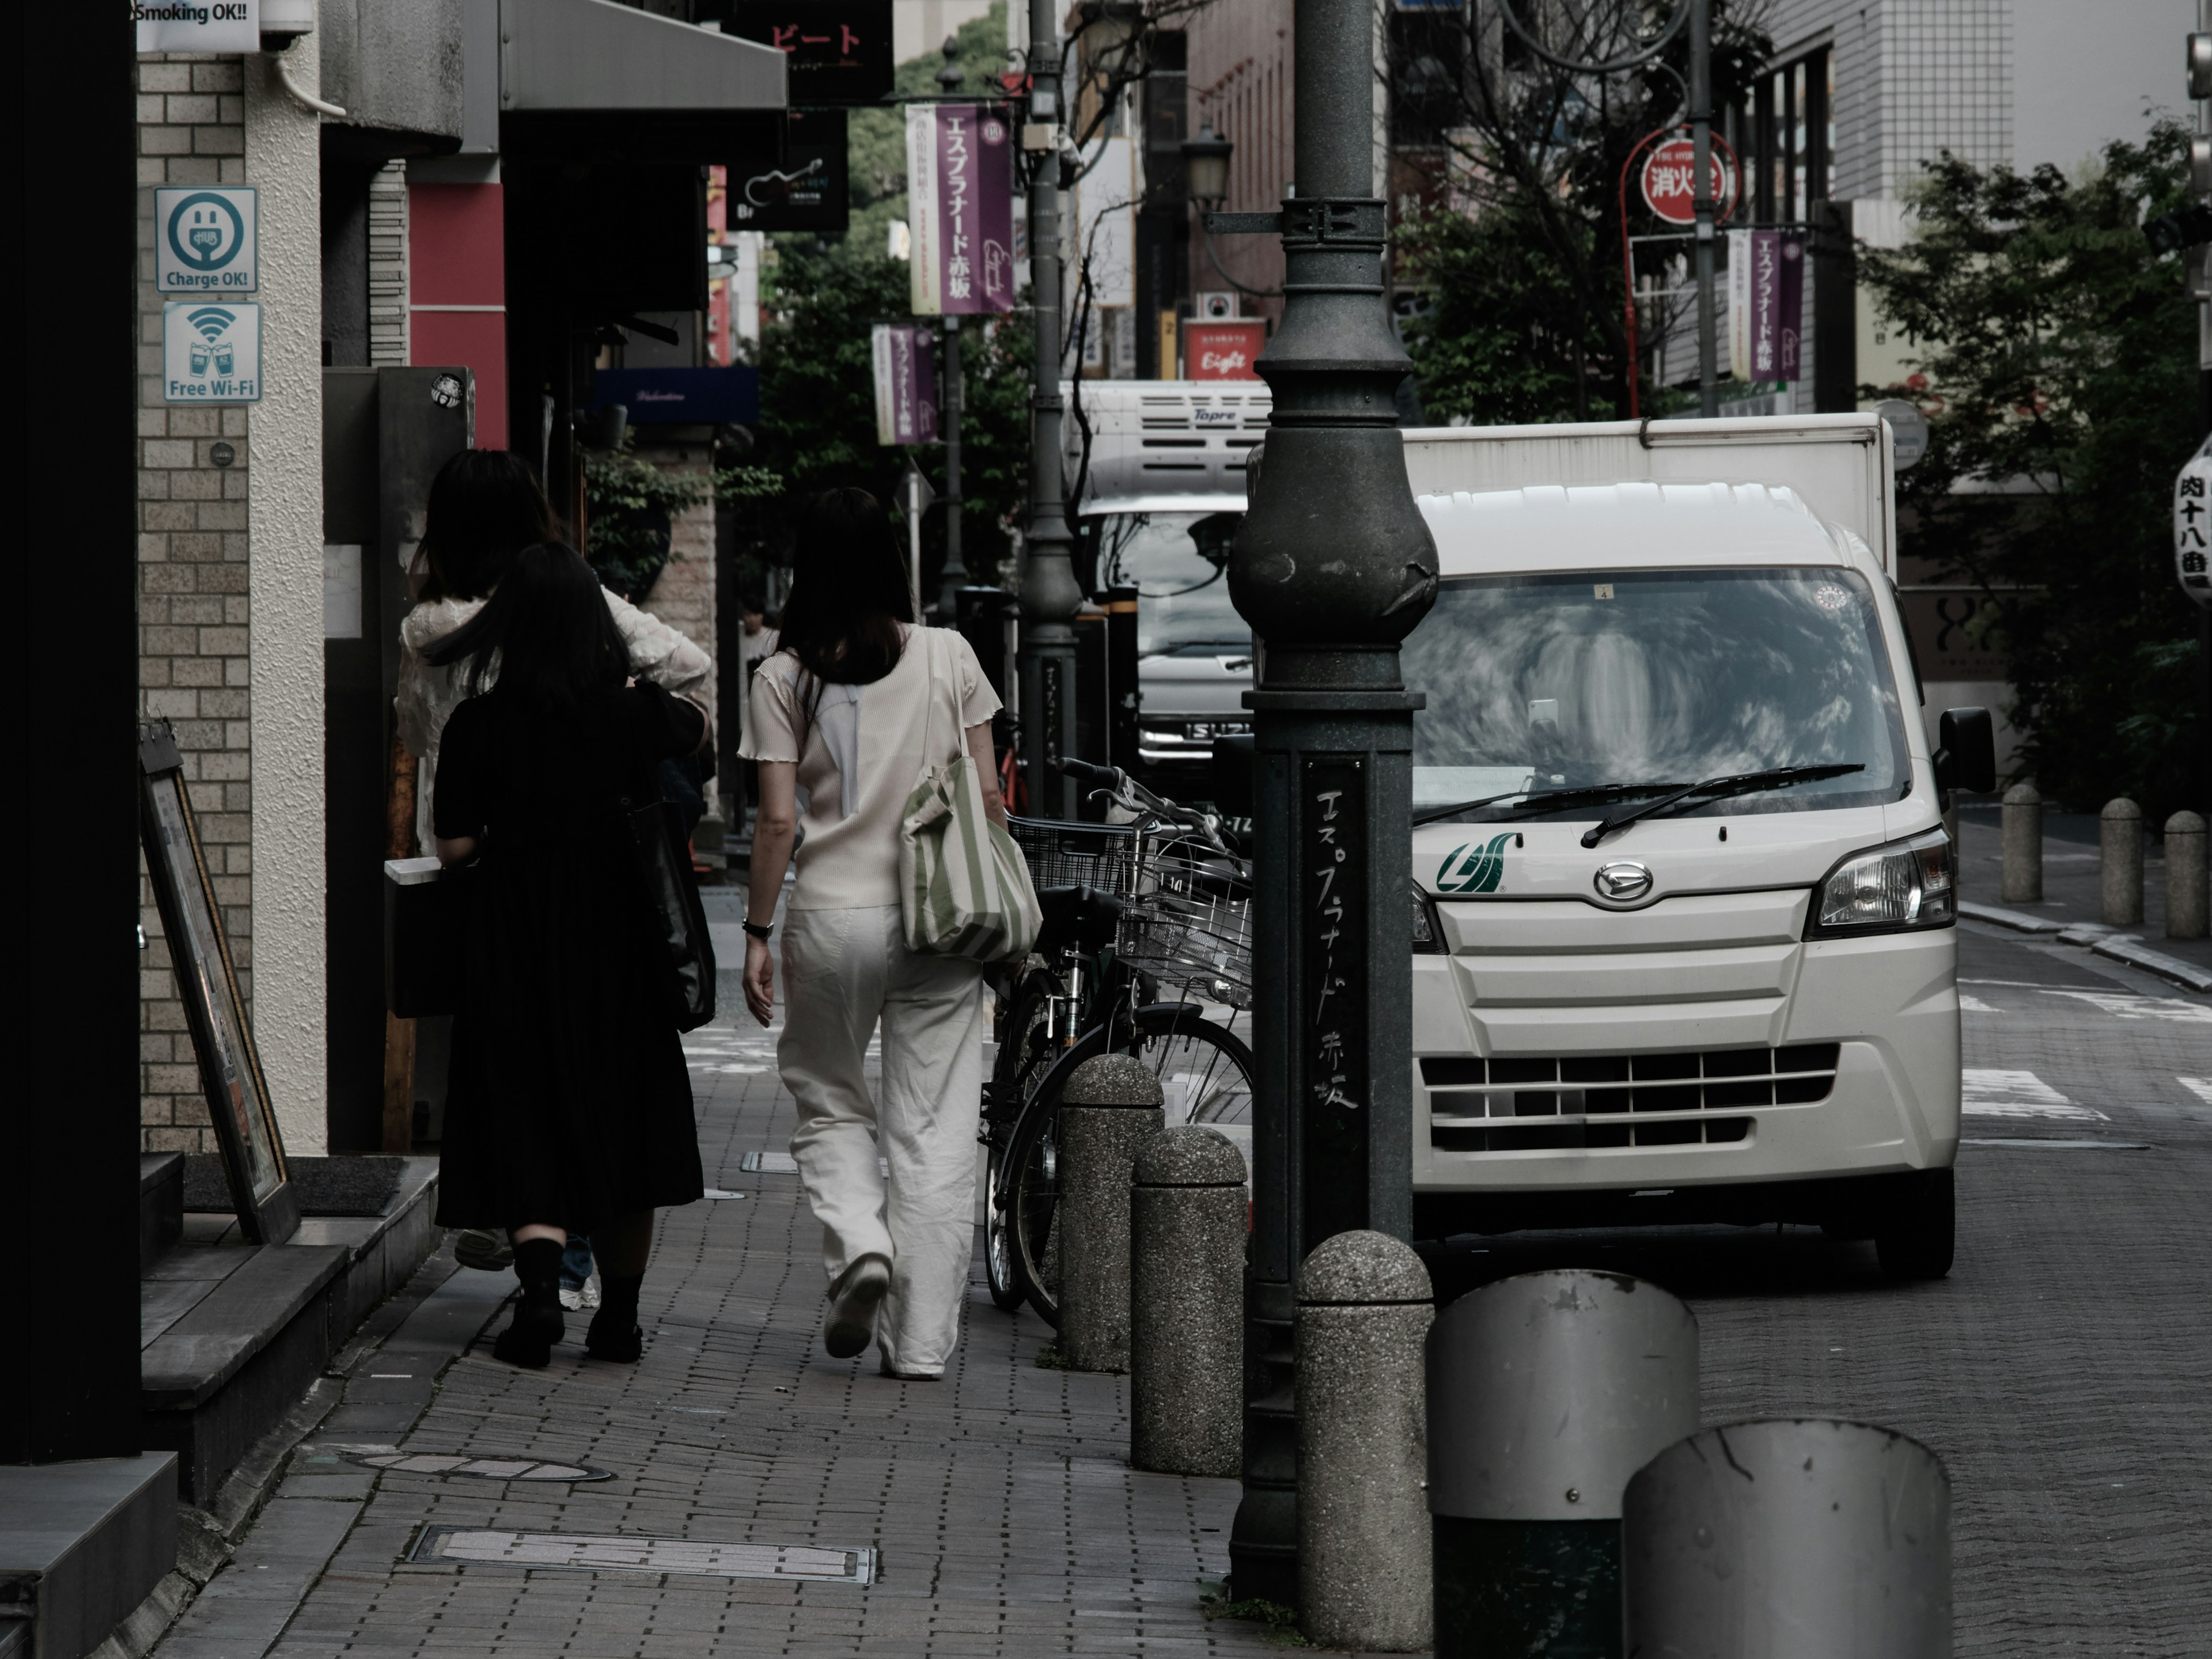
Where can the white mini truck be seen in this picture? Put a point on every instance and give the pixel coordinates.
(1685, 907)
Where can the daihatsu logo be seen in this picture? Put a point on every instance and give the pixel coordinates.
(1621, 882)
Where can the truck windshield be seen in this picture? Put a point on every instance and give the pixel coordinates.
(1653, 678)
(1182, 594)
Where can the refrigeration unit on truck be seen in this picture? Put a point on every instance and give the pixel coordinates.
(1158, 497)
(1684, 899)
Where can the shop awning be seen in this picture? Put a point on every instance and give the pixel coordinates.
(580, 55)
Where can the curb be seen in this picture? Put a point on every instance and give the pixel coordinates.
(2119, 947)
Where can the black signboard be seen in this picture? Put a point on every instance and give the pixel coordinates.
(805, 190)
(839, 50)
(1331, 1064)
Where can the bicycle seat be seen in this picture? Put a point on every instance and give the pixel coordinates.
(1078, 918)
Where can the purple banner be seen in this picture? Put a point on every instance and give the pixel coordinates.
(1790, 305)
(906, 383)
(960, 203)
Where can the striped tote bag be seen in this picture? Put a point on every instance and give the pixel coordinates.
(964, 887)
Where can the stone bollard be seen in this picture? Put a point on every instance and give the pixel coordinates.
(2185, 909)
(2120, 861)
(1187, 1224)
(1109, 1108)
(1546, 1392)
(1814, 1538)
(2021, 817)
(1364, 1308)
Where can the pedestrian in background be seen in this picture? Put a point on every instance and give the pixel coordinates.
(844, 710)
(484, 507)
(569, 1108)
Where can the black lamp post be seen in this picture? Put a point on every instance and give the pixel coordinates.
(1333, 567)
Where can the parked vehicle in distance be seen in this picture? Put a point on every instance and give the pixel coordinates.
(1684, 900)
(1158, 499)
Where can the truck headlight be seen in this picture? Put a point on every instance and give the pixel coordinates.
(1428, 931)
(1890, 889)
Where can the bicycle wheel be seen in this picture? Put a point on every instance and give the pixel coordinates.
(1025, 1054)
(1206, 1077)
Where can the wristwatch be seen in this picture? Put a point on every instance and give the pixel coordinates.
(759, 930)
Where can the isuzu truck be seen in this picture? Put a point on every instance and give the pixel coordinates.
(1685, 903)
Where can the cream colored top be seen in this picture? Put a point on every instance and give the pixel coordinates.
(429, 696)
(848, 853)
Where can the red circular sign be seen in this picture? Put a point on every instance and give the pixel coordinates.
(1668, 170)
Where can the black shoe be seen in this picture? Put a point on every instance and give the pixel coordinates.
(615, 1336)
(528, 1340)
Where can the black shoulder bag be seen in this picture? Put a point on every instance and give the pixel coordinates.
(676, 917)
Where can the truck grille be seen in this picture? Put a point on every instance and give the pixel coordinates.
(1467, 1095)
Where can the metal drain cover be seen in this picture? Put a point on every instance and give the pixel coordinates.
(785, 1163)
(698, 1558)
(483, 1468)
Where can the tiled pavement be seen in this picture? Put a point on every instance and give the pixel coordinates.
(1005, 1516)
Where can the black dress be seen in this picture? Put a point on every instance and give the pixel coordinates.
(567, 1102)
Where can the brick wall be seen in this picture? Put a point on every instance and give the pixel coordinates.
(682, 595)
(194, 627)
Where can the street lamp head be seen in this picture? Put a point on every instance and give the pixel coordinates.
(1205, 165)
(1112, 27)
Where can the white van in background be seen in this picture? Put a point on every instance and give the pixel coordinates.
(1683, 900)
(1159, 494)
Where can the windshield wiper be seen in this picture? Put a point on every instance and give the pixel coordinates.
(1743, 783)
(1543, 799)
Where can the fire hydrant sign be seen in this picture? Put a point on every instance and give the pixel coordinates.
(2192, 526)
(204, 241)
(210, 353)
(1669, 173)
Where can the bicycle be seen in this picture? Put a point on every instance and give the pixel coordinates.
(1148, 929)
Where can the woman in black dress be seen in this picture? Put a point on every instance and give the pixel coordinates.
(569, 1106)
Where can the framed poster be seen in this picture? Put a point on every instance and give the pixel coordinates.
(268, 1205)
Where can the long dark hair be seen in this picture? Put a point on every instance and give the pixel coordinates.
(549, 627)
(485, 507)
(848, 591)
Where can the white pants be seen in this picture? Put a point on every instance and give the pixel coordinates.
(844, 970)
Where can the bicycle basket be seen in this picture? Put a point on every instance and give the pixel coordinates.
(1189, 926)
(1063, 854)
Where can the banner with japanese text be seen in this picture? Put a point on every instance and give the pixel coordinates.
(906, 384)
(960, 204)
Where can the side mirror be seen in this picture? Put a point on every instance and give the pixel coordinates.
(1966, 757)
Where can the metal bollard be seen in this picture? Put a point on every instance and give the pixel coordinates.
(2185, 909)
(1815, 1539)
(1546, 1392)
(1187, 1231)
(2120, 861)
(2022, 818)
(1109, 1108)
(1364, 1308)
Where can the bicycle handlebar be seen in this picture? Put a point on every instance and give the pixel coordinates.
(1134, 797)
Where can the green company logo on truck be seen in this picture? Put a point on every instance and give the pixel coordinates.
(1485, 865)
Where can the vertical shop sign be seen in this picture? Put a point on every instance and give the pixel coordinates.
(1789, 254)
(1332, 1034)
(960, 201)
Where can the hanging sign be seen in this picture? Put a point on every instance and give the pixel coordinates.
(836, 51)
(1668, 179)
(210, 353)
(906, 384)
(2192, 526)
(197, 25)
(205, 241)
(960, 200)
(1223, 351)
(803, 189)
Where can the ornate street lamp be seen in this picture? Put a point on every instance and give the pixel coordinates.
(1206, 167)
(1334, 566)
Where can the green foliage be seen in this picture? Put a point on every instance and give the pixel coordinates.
(1523, 270)
(2057, 363)
(632, 503)
(1282, 1622)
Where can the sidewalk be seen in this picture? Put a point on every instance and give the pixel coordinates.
(1005, 1517)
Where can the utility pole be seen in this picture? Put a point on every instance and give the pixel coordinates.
(955, 574)
(1702, 204)
(1332, 567)
(1049, 597)
(2200, 184)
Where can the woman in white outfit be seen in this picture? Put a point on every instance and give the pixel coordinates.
(484, 507)
(847, 711)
